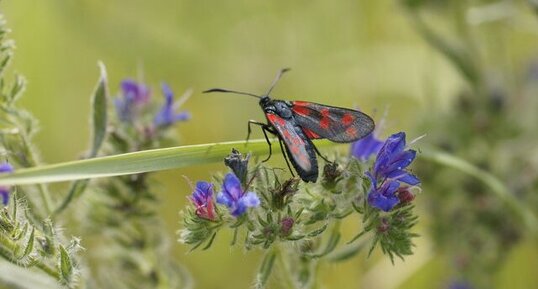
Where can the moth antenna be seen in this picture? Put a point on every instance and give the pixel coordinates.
(230, 91)
(277, 78)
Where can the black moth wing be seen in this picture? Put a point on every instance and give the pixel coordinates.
(299, 147)
(337, 124)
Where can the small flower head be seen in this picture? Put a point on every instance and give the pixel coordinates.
(364, 148)
(238, 164)
(405, 195)
(331, 173)
(133, 95)
(167, 115)
(202, 198)
(233, 196)
(389, 171)
(286, 224)
(5, 190)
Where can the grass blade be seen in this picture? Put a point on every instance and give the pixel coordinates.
(136, 162)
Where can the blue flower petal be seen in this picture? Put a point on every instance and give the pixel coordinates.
(389, 188)
(6, 168)
(239, 209)
(135, 92)
(168, 94)
(250, 199)
(182, 116)
(401, 161)
(409, 179)
(393, 146)
(385, 197)
(232, 186)
(166, 115)
(4, 195)
(382, 202)
(366, 147)
(205, 188)
(224, 199)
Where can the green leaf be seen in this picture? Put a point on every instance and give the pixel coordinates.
(347, 252)
(99, 121)
(66, 267)
(136, 162)
(29, 246)
(99, 112)
(334, 238)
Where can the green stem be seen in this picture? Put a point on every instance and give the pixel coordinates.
(136, 162)
(7, 247)
(286, 271)
(495, 185)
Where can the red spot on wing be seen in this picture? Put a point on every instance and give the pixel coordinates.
(275, 119)
(325, 121)
(310, 134)
(347, 119)
(301, 103)
(304, 111)
(351, 132)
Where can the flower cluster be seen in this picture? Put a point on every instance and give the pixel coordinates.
(4, 190)
(202, 198)
(167, 115)
(389, 172)
(232, 196)
(136, 95)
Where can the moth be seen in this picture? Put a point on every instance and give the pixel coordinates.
(297, 123)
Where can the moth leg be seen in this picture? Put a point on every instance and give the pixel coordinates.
(265, 129)
(319, 154)
(250, 129)
(285, 157)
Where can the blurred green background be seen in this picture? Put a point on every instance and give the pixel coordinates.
(363, 54)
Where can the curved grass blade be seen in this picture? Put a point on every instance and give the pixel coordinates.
(496, 186)
(136, 162)
(99, 121)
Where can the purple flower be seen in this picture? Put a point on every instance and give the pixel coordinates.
(392, 160)
(389, 171)
(133, 94)
(202, 198)
(5, 190)
(383, 197)
(366, 147)
(233, 196)
(166, 115)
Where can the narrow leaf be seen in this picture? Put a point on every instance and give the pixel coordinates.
(29, 245)
(66, 267)
(99, 101)
(136, 162)
(99, 112)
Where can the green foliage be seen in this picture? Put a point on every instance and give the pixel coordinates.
(479, 161)
(28, 238)
(37, 247)
(299, 223)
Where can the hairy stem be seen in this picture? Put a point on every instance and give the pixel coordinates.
(286, 271)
